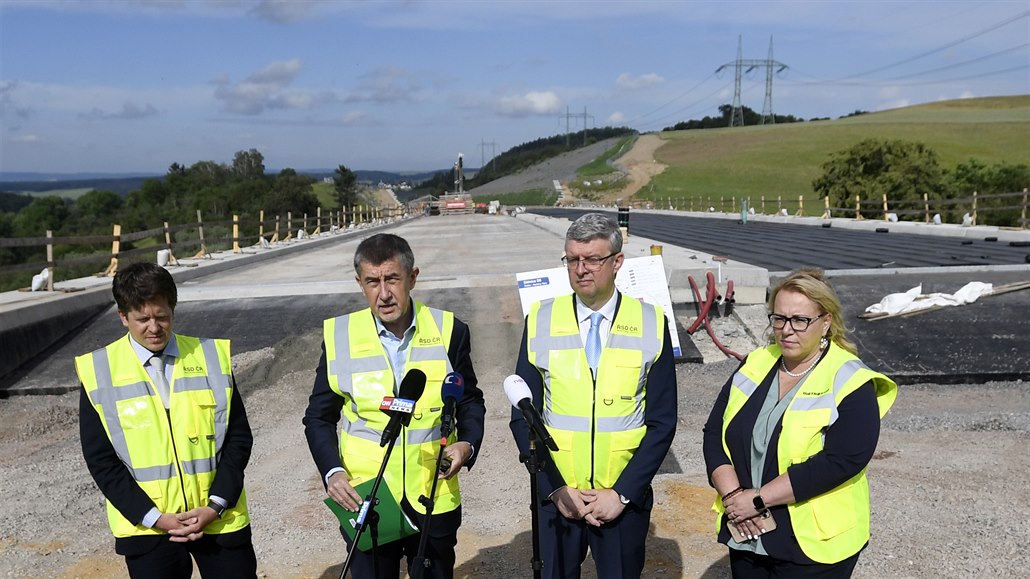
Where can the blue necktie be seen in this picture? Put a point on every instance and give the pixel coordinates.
(594, 340)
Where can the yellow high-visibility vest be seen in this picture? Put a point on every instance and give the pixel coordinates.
(172, 455)
(834, 525)
(358, 369)
(597, 426)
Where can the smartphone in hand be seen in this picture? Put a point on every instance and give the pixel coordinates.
(763, 520)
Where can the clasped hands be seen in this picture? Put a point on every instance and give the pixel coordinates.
(741, 512)
(188, 526)
(595, 506)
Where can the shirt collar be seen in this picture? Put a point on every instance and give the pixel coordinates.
(144, 355)
(607, 310)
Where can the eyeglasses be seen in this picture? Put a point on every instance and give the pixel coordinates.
(589, 263)
(797, 323)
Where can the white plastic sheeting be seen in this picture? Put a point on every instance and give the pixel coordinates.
(914, 299)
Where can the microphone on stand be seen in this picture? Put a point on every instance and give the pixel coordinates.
(517, 391)
(451, 391)
(400, 407)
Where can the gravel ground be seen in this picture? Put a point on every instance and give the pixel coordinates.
(949, 483)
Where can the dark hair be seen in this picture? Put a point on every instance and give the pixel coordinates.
(381, 248)
(140, 283)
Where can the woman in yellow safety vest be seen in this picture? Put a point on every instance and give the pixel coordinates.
(789, 439)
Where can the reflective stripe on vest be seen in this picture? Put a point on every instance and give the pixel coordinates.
(168, 452)
(834, 525)
(606, 417)
(360, 372)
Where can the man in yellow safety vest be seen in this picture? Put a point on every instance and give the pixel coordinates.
(166, 438)
(366, 355)
(600, 367)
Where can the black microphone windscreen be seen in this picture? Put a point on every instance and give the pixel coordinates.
(413, 385)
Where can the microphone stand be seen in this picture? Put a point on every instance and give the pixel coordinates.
(369, 518)
(419, 564)
(534, 466)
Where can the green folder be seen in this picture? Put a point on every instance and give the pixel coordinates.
(393, 523)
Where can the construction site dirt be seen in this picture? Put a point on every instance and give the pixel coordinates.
(949, 479)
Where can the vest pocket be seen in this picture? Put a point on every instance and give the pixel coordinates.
(202, 435)
(834, 512)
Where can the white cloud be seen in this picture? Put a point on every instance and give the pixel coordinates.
(529, 104)
(283, 11)
(27, 138)
(265, 89)
(616, 118)
(627, 81)
(129, 111)
(353, 117)
(386, 85)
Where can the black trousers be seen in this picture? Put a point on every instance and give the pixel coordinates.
(229, 555)
(443, 536)
(748, 565)
(617, 547)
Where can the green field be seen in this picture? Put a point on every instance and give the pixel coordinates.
(326, 193)
(782, 160)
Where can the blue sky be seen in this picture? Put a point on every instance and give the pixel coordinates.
(133, 86)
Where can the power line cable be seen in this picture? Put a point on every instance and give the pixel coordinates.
(967, 38)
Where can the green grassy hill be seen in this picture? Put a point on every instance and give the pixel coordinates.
(782, 160)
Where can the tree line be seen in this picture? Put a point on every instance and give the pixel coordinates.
(749, 116)
(218, 190)
(905, 171)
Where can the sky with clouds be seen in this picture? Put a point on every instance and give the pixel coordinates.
(134, 86)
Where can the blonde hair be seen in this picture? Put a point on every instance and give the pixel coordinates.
(812, 283)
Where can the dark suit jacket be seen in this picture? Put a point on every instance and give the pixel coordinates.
(324, 406)
(116, 482)
(659, 416)
(848, 448)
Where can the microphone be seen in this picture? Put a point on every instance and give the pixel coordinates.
(451, 391)
(517, 391)
(401, 407)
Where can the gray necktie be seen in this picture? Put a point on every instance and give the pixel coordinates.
(160, 382)
(594, 340)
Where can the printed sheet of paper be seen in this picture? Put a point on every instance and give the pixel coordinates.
(640, 277)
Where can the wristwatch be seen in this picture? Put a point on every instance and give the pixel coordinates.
(218, 509)
(623, 500)
(759, 503)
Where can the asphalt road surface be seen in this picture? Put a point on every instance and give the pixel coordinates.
(783, 247)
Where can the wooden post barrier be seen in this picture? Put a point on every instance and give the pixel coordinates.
(318, 222)
(305, 224)
(235, 233)
(203, 245)
(885, 207)
(763, 204)
(801, 206)
(289, 226)
(50, 260)
(926, 208)
(275, 236)
(116, 245)
(974, 208)
(858, 207)
(826, 207)
(168, 246)
(261, 226)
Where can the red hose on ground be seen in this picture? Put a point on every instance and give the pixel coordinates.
(702, 317)
(709, 299)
